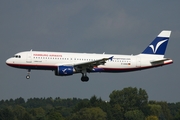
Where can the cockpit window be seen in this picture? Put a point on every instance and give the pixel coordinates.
(17, 56)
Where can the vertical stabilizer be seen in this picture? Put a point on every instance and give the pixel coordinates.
(159, 44)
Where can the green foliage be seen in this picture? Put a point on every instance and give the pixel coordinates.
(134, 115)
(155, 109)
(38, 113)
(160, 109)
(27, 116)
(177, 116)
(94, 113)
(19, 101)
(152, 118)
(174, 108)
(7, 114)
(129, 98)
(83, 104)
(126, 104)
(117, 112)
(165, 111)
(54, 115)
(19, 112)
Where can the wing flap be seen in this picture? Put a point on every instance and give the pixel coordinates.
(91, 64)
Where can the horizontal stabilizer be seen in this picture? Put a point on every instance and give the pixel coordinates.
(164, 61)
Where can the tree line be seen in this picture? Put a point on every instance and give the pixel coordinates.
(126, 104)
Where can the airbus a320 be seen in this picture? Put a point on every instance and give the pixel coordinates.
(67, 63)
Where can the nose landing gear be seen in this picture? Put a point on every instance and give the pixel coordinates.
(28, 74)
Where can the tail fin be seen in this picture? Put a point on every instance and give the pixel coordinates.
(159, 44)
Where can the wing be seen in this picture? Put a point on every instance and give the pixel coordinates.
(91, 64)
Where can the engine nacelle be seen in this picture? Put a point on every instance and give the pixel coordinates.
(64, 71)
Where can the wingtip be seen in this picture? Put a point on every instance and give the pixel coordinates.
(111, 58)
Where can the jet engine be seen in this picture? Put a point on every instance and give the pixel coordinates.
(64, 70)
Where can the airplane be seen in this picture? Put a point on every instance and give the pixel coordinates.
(67, 63)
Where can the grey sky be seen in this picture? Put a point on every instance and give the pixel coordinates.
(96, 26)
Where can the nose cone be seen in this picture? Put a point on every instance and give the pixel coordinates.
(9, 61)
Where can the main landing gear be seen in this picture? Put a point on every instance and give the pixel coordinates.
(28, 74)
(84, 77)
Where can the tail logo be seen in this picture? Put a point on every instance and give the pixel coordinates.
(157, 46)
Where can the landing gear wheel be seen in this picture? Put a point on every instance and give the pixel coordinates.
(28, 76)
(84, 78)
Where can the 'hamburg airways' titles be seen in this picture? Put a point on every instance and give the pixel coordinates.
(47, 55)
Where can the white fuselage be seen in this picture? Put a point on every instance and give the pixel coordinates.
(65, 64)
(51, 60)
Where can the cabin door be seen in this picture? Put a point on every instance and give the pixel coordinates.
(29, 57)
(138, 62)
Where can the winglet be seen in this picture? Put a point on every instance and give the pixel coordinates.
(111, 58)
